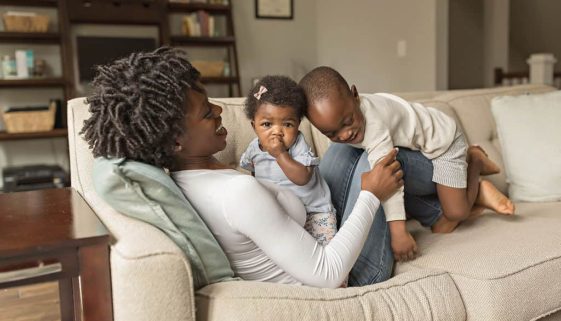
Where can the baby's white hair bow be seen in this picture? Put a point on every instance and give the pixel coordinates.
(261, 91)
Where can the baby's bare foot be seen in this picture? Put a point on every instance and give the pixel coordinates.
(490, 197)
(475, 152)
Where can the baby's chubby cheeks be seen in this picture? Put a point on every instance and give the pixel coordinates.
(276, 127)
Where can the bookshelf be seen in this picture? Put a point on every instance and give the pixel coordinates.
(156, 13)
(225, 40)
(59, 44)
(58, 38)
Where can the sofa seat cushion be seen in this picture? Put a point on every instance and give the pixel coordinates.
(426, 295)
(499, 263)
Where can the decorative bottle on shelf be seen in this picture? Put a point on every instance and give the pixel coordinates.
(9, 67)
(226, 69)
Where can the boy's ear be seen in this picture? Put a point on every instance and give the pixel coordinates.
(354, 91)
(253, 124)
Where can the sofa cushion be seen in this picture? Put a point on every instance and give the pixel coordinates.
(473, 108)
(530, 136)
(499, 263)
(147, 193)
(424, 295)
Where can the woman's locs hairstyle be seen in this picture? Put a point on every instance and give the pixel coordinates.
(276, 90)
(138, 106)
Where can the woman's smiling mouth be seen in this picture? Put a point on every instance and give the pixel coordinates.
(221, 130)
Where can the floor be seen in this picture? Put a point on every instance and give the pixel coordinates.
(38, 302)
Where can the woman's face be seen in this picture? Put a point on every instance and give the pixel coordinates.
(203, 133)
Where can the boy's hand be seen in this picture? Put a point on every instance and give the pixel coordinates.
(404, 246)
(275, 146)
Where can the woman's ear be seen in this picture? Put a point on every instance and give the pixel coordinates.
(354, 91)
(177, 148)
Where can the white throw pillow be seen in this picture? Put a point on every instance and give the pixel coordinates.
(529, 129)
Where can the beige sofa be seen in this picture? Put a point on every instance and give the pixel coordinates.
(492, 268)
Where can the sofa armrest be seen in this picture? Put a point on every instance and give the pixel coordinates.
(150, 276)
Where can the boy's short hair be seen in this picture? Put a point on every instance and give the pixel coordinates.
(280, 91)
(322, 82)
(138, 106)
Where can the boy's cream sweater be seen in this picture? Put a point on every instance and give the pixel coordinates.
(391, 121)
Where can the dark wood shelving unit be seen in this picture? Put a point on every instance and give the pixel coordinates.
(26, 37)
(219, 80)
(228, 40)
(32, 82)
(57, 132)
(59, 38)
(176, 7)
(29, 3)
(156, 13)
(202, 41)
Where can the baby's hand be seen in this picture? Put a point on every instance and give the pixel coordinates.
(275, 147)
(404, 246)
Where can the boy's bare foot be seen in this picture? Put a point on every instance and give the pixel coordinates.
(490, 197)
(475, 152)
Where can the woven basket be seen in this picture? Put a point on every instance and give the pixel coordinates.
(16, 23)
(209, 68)
(29, 121)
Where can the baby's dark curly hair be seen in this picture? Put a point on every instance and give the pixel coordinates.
(281, 91)
(137, 108)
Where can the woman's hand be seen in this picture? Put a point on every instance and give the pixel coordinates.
(385, 178)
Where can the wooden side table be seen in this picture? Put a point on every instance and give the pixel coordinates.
(51, 235)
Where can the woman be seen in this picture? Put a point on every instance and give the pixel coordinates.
(151, 107)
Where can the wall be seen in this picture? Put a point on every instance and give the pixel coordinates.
(273, 46)
(466, 44)
(360, 39)
(535, 28)
(495, 38)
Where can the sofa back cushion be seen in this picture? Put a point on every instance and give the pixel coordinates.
(147, 193)
(473, 108)
(530, 136)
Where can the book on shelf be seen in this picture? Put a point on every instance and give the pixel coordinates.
(199, 24)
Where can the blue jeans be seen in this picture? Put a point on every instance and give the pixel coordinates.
(342, 166)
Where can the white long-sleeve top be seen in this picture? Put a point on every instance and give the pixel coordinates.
(392, 121)
(260, 228)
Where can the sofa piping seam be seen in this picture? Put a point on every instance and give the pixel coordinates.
(498, 277)
(546, 314)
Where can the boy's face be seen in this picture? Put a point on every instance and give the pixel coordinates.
(339, 117)
(280, 121)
